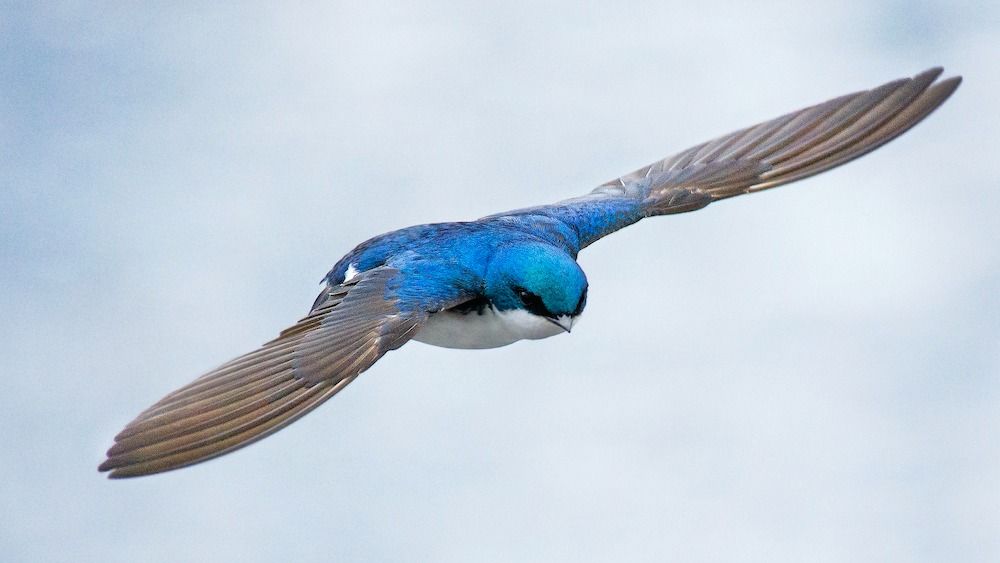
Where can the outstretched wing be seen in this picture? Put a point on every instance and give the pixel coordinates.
(770, 154)
(791, 147)
(263, 391)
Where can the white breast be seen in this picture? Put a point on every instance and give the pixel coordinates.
(488, 329)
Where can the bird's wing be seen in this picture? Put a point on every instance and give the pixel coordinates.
(769, 154)
(263, 391)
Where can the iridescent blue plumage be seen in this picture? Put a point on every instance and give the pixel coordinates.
(494, 281)
(443, 258)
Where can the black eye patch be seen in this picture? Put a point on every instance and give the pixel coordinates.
(532, 302)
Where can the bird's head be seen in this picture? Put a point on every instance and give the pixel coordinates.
(540, 279)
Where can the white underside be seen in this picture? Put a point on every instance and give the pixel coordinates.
(490, 329)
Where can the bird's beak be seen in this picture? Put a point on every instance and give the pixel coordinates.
(564, 322)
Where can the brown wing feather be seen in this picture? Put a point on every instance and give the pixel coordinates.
(261, 392)
(790, 147)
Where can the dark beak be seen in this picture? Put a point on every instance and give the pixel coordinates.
(564, 322)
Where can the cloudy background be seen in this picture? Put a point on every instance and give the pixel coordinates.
(808, 374)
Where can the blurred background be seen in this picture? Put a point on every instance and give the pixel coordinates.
(807, 374)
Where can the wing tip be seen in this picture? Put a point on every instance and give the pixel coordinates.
(932, 74)
(950, 84)
(114, 465)
(112, 468)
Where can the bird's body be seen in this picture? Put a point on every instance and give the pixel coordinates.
(452, 259)
(493, 281)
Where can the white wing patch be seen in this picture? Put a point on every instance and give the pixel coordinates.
(351, 273)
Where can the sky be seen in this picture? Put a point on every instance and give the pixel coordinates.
(806, 374)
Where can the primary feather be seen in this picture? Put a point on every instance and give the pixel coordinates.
(269, 388)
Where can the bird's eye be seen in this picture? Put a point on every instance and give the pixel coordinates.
(532, 302)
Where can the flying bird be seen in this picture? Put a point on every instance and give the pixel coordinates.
(494, 281)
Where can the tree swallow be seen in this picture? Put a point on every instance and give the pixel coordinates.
(493, 281)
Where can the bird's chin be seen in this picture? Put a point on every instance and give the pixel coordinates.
(564, 322)
(528, 326)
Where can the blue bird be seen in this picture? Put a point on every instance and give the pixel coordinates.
(493, 281)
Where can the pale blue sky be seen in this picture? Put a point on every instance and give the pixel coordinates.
(809, 374)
